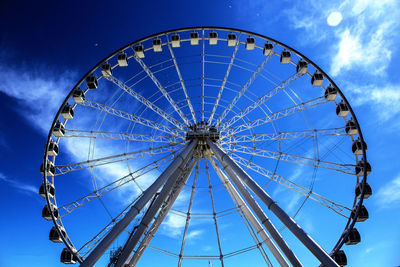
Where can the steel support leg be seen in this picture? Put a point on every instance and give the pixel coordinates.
(232, 168)
(249, 215)
(161, 216)
(102, 247)
(133, 240)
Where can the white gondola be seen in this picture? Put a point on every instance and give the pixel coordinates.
(91, 82)
(79, 96)
(67, 257)
(52, 149)
(157, 47)
(360, 168)
(353, 237)
(59, 129)
(231, 39)
(250, 43)
(175, 40)
(106, 69)
(285, 57)
(342, 110)
(367, 190)
(268, 48)
(139, 51)
(194, 38)
(50, 190)
(54, 236)
(122, 59)
(362, 214)
(317, 79)
(301, 67)
(50, 169)
(213, 38)
(330, 93)
(351, 128)
(67, 112)
(46, 212)
(356, 147)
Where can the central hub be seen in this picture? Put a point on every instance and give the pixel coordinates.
(202, 131)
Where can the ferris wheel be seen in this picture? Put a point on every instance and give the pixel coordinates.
(205, 145)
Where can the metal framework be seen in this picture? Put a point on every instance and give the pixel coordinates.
(208, 115)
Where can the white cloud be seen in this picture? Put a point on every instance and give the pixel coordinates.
(20, 186)
(173, 225)
(389, 194)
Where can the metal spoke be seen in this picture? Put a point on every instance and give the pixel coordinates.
(162, 89)
(70, 207)
(338, 208)
(261, 100)
(243, 89)
(345, 168)
(124, 136)
(202, 78)
(188, 216)
(131, 117)
(221, 256)
(261, 137)
(276, 115)
(63, 169)
(189, 103)
(224, 82)
(145, 101)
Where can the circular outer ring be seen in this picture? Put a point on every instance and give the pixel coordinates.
(351, 221)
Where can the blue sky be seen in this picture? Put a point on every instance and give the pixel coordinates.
(46, 48)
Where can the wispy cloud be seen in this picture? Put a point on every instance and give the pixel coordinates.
(389, 194)
(19, 185)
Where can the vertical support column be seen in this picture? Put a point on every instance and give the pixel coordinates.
(161, 216)
(232, 168)
(102, 247)
(249, 215)
(173, 181)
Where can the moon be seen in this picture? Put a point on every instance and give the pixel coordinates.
(334, 19)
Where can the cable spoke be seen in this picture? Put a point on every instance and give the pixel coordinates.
(261, 100)
(162, 90)
(63, 169)
(131, 117)
(243, 89)
(339, 209)
(123, 136)
(70, 207)
(345, 168)
(221, 256)
(261, 137)
(223, 82)
(145, 101)
(181, 81)
(202, 79)
(276, 115)
(188, 216)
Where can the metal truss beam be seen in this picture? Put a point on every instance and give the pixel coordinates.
(231, 167)
(131, 117)
(274, 116)
(243, 90)
(261, 100)
(162, 89)
(145, 101)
